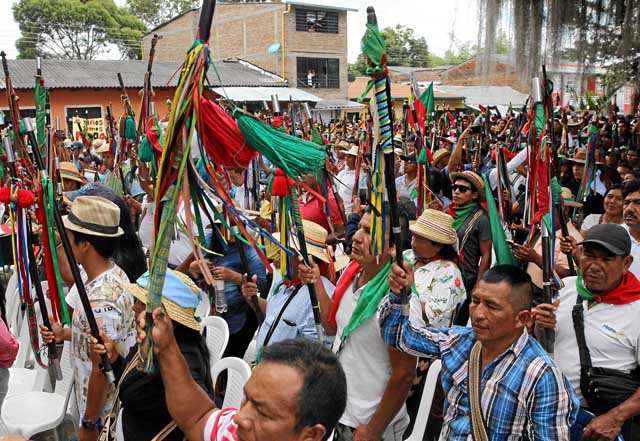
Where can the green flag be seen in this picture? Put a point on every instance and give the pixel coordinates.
(41, 111)
(373, 48)
(500, 244)
(428, 100)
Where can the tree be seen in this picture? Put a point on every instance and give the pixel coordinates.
(76, 29)
(155, 12)
(404, 48)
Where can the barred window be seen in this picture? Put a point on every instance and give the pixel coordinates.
(309, 20)
(318, 73)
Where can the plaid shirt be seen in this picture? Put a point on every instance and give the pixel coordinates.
(524, 395)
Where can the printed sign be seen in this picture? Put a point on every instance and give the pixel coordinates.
(93, 126)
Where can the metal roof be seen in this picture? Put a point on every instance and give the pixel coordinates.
(325, 5)
(264, 94)
(102, 74)
(486, 95)
(338, 105)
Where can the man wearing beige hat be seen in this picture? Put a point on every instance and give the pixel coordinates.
(71, 178)
(346, 179)
(92, 225)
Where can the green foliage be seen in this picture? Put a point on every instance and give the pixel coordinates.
(404, 48)
(503, 47)
(76, 29)
(461, 53)
(155, 12)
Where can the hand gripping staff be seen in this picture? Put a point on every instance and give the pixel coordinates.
(35, 277)
(374, 45)
(86, 305)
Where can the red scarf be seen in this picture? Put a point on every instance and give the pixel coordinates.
(343, 283)
(627, 292)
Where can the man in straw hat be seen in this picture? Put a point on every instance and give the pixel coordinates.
(287, 311)
(378, 378)
(144, 413)
(474, 231)
(92, 224)
(346, 179)
(71, 177)
(528, 395)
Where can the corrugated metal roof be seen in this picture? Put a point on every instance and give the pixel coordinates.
(338, 105)
(102, 74)
(325, 5)
(264, 94)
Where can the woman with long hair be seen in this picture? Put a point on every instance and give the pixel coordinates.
(612, 210)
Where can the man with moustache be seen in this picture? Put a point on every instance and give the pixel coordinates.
(631, 217)
(522, 393)
(610, 297)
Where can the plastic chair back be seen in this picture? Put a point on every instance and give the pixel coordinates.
(422, 416)
(238, 372)
(217, 337)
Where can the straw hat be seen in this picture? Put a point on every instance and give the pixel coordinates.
(574, 122)
(180, 297)
(473, 178)
(316, 239)
(440, 155)
(436, 226)
(568, 198)
(580, 157)
(343, 145)
(69, 171)
(102, 148)
(94, 216)
(97, 143)
(353, 151)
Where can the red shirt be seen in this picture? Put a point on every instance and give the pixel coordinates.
(313, 210)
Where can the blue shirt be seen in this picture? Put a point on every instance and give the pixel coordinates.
(237, 306)
(297, 319)
(522, 390)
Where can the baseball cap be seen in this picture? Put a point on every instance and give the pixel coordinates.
(614, 238)
(77, 145)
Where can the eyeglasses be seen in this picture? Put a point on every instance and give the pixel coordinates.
(460, 188)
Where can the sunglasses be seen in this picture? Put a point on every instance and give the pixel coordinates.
(460, 188)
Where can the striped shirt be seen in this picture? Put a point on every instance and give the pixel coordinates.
(524, 395)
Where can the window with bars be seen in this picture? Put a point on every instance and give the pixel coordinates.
(310, 20)
(319, 73)
(84, 112)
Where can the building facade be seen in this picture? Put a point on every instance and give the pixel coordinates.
(304, 43)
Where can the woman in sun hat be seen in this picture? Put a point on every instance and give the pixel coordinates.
(71, 178)
(143, 410)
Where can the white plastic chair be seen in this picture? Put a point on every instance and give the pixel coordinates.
(422, 416)
(217, 337)
(34, 412)
(238, 372)
(12, 300)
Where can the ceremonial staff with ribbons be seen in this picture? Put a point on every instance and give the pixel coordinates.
(383, 177)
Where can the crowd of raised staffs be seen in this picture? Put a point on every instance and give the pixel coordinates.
(450, 345)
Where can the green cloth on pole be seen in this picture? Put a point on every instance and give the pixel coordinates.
(498, 236)
(373, 48)
(428, 99)
(40, 97)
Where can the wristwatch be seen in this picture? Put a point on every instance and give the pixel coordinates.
(91, 425)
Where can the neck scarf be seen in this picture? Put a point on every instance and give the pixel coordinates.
(460, 214)
(628, 291)
(369, 299)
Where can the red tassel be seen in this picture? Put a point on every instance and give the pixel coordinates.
(281, 184)
(25, 198)
(277, 122)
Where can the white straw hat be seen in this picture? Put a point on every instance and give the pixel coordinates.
(436, 226)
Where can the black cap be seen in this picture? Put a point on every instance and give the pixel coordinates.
(612, 237)
(408, 158)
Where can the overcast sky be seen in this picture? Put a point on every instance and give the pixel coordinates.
(432, 19)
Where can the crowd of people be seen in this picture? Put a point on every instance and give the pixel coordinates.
(515, 363)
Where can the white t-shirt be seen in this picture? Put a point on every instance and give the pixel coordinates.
(112, 306)
(611, 331)
(365, 360)
(635, 253)
(181, 247)
(346, 179)
(145, 231)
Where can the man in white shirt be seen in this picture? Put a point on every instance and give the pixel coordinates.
(631, 217)
(346, 179)
(610, 299)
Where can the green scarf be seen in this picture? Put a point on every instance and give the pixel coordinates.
(369, 300)
(583, 292)
(462, 213)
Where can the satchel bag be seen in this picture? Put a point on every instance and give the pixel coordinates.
(603, 388)
(478, 426)
(108, 432)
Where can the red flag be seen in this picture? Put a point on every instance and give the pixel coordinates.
(421, 112)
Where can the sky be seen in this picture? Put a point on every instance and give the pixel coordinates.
(432, 19)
